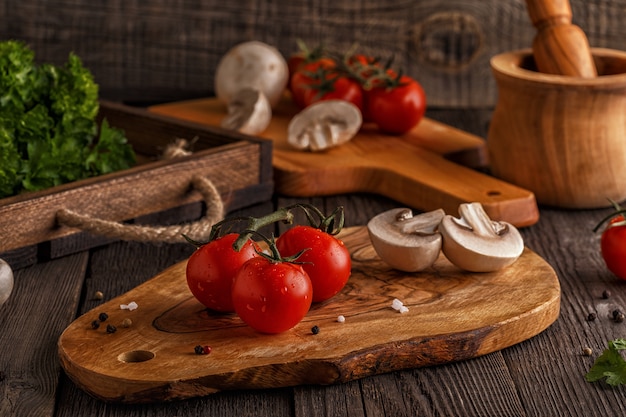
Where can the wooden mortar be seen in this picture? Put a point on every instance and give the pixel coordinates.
(563, 138)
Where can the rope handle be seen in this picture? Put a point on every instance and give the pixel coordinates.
(198, 230)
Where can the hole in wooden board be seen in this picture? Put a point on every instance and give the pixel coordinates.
(135, 356)
(493, 193)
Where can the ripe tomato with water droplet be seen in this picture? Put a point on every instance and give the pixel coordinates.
(271, 297)
(325, 258)
(211, 270)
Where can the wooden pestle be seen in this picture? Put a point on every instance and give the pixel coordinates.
(559, 47)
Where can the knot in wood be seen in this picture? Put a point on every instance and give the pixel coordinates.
(448, 41)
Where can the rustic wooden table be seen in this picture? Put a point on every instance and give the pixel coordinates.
(543, 376)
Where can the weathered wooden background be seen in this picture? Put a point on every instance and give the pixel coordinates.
(164, 50)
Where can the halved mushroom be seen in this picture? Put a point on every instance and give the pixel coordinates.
(249, 112)
(476, 243)
(406, 242)
(323, 125)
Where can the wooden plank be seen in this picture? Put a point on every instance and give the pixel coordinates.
(149, 51)
(564, 388)
(461, 315)
(44, 301)
(408, 168)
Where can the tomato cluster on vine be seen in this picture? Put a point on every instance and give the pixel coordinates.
(395, 102)
(271, 290)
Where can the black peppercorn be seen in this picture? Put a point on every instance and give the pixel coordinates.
(606, 294)
(315, 329)
(202, 350)
(619, 317)
(103, 317)
(591, 316)
(111, 328)
(95, 324)
(616, 313)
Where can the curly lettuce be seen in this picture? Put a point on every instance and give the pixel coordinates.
(48, 124)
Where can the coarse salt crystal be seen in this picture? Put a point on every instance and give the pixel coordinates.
(341, 319)
(130, 306)
(403, 309)
(397, 304)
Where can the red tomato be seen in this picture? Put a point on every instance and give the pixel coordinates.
(211, 270)
(319, 81)
(613, 246)
(396, 109)
(364, 66)
(326, 260)
(304, 56)
(271, 297)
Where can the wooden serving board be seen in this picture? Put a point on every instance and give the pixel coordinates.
(453, 315)
(431, 167)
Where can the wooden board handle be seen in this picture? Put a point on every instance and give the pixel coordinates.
(559, 47)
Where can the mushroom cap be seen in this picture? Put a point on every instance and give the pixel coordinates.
(323, 125)
(6, 281)
(252, 64)
(476, 243)
(249, 112)
(405, 242)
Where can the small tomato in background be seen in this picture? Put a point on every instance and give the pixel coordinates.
(211, 270)
(613, 242)
(321, 80)
(397, 107)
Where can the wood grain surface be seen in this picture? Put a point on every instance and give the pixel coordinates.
(409, 168)
(155, 51)
(561, 137)
(453, 315)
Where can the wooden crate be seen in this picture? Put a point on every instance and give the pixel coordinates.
(154, 189)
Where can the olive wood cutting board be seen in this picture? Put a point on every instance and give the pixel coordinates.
(433, 166)
(453, 315)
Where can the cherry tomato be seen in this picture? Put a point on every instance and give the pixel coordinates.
(319, 81)
(613, 246)
(271, 297)
(326, 259)
(363, 66)
(211, 270)
(396, 109)
(304, 56)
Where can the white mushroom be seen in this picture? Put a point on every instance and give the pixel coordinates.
(323, 125)
(255, 65)
(406, 242)
(476, 243)
(6, 281)
(249, 112)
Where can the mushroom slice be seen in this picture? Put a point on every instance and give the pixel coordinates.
(406, 242)
(323, 125)
(478, 244)
(249, 112)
